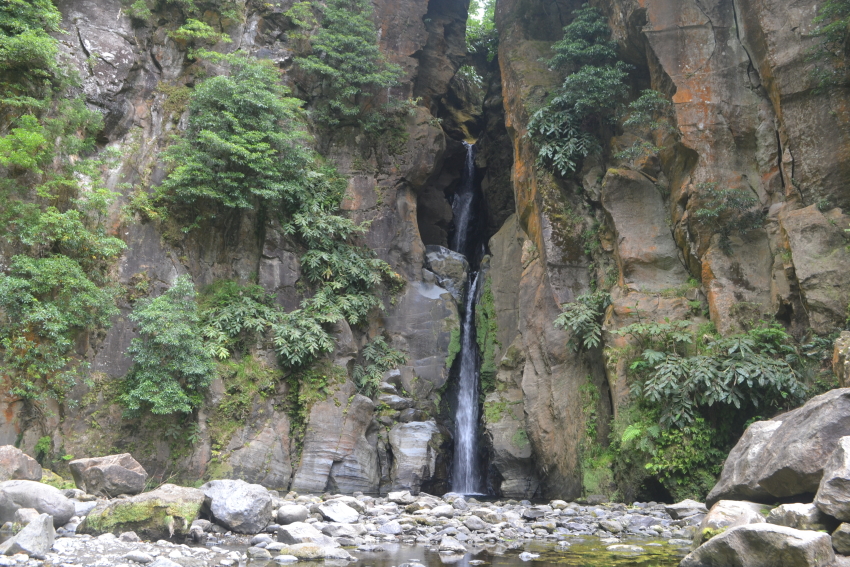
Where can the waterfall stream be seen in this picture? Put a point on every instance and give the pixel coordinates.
(465, 478)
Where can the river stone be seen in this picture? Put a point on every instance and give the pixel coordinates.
(841, 539)
(336, 511)
(800, 517)
(685, 509)
(239, 506)
(109, 476)
(444, 511)
(299, 532)
(138, 556)
(17, 465)
(475, 523)
(728, 514)
(785, 456)
(308, 551)
(833, 495)
(761, 545)
(449, 544)
(612, 526)
(290, 513)
(165, 512)
(345, 530)
(15, 494)
(401, 497)
(392, 528)
(36, 539)
(24, 516)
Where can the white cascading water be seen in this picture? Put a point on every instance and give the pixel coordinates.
(465, 478)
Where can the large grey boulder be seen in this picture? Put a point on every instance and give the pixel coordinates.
(165, 512)
(15, 494)
(801, 517)
(833, 495)
(785, 456)
(685, 509)
(414, 453)
(35, 539)
(109, 476)
(289, 513)
(239, 506)
(763, 545)
(450, 267)
(17, 465)
(841, 539)
(728, 514)
(336, 511)
(310, 551)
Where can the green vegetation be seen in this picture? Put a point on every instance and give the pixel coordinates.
(565, 130)
(482, 38)
(650, 113)
(143, 10)
(584, 318)
(172, 365)
(54, 285)
(728, 211)
(486, 330)
(454, 347)
(831, 55)
(244, 144)
(378, 357)
(343, 58)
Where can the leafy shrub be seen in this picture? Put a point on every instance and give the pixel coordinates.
(684, 376)
(244, 144)
(345, 59)
(482, 38)
(378, 357)
(831, 55)
(564, 129)
(727, 211)
(584, 318)
(172, 365)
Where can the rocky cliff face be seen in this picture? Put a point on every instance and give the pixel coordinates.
(746, 117)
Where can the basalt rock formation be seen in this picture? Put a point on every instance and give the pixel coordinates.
(746, 115)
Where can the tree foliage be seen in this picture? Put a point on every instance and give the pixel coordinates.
(482, 38)
(564, 130)
(245, 142)
(378, 357)
(171, 364)
(830, 55)
(728, 211)
(344, 57)
(584, 318)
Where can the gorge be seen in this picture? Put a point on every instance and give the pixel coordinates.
(381, 305)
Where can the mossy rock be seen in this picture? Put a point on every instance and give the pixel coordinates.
(165, 512)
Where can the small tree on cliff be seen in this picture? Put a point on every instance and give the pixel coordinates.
(595, 86)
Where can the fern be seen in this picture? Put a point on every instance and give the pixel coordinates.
(379, 358)
(584, 318)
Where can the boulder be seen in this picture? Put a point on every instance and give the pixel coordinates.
(165, 512)
(239, 506)
(449, 544)
(35, 540)
(24, 516)
(685, 509)
(833, 495)
(109, 476)
(728, 514)
(475, 523)
(310, 551)
(763, 545)
(401, 497)
(450, 268)
(392, 528)
(290, 513)
(336, 511)
(299, 532)
(841, 539)
(414, 453)
(17, 465)
(16, 494)
(785, 456)
(344, 530)
(841, 359)
(800, 517)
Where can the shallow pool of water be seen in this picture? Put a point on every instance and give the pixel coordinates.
(583, 552)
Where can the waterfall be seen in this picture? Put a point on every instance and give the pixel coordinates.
(465, 475)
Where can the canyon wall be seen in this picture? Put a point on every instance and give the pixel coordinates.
(747, 117)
